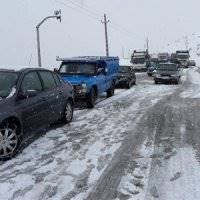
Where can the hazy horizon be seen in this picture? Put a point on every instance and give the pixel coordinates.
(165, 23)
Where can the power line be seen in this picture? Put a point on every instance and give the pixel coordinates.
(77, 9)
(93, 14)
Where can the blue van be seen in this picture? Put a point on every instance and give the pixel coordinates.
(90, 76)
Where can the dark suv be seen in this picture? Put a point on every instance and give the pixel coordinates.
(30, 100)
(126, 77)
(167, 73)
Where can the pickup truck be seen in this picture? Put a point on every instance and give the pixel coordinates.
(183, 58)
(140, 60)
(90, 76)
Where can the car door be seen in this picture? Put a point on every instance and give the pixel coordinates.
(101, 81)
(34, 110)
(53, 94)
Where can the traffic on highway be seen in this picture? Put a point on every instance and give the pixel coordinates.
(120, 123)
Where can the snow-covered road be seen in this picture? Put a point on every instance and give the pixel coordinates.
(143, 143)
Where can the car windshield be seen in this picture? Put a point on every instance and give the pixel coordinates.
(7, 82)
(124, 69)
(183, 56)
(78, 68)
(139, 60)
(163, 57)
(167, 67)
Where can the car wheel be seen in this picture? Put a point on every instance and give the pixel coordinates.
(111, 91)
(9, 140)
(92, 99)
(68, 112)
(176, 82)
(129, 85)
(156, 82)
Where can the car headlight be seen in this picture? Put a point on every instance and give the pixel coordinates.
(174, 75)
(157, 75)
(84, 85)
(82, 88)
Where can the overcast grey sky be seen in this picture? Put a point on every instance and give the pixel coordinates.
(165, 22)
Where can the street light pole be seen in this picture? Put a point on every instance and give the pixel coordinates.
(38, 47)
(57, 15)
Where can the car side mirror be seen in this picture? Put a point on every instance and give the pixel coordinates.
(105, 71)
(31, 93)
(56, 70)
(100, 71)
(27, 94)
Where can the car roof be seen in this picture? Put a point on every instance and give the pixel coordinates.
(87, 59)
(168, 63)
(19, 68)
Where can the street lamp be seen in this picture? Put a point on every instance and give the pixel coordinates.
(57, 15)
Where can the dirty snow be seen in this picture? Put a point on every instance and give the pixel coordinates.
(67, 162)
(193, 89)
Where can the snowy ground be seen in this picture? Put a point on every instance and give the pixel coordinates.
(143, 143)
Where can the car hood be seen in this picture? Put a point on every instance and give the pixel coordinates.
(76, 79)
(121, 74)
(140, 65)
(151, 68)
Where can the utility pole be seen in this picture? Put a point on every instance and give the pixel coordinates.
(186, 43)
(105, 22)
(57, 15)
(147, 41)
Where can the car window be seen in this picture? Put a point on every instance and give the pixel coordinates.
(48, 80)
(31, 81)
(58, 82)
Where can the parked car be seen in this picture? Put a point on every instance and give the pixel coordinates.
(151, 68)
(167, 73)
(192, 63)
(30, 100)
(90, 76)
(126, 77)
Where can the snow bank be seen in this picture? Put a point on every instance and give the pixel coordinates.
(193, 78)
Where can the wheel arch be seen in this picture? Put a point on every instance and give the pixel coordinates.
(13, 119)
(71, 100)
(95, 89)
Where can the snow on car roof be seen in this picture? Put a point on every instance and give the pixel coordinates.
(13, 67)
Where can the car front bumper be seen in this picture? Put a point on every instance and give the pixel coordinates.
(166, 79)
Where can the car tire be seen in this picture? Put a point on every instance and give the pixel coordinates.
(68, 112)
(176, 82)
(111, 91)
(10, 140)
(130, 84)
(91, 99)
(156, 82)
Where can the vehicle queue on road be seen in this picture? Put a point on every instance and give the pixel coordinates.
(31, 99)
